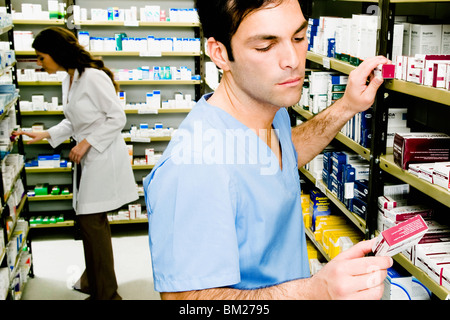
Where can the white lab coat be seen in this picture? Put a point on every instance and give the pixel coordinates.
(93, 112)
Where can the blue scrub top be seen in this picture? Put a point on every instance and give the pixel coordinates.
(221, 211)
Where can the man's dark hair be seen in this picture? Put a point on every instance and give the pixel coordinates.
(220, 19)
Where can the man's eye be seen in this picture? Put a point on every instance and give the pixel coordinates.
(264, 49)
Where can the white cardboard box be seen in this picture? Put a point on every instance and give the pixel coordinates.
(426, 39)
(441, 174)
(445, 43)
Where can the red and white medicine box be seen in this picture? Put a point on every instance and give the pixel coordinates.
(400, 237)
(417, 147)
(385, 71)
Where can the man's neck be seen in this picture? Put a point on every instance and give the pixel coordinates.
(251, 113)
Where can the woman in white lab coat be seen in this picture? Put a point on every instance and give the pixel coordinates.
(95, 119)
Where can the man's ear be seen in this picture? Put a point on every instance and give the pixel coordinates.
(218, 54)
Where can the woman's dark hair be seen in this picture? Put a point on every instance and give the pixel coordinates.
(220, 19)
(63, 47)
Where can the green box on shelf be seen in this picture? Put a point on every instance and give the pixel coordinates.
(55, 190)
(41, 189)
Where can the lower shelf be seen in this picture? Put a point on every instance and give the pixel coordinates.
(71, 223)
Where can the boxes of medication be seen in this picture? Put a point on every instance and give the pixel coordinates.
(402, 286)
(420, 147)
(49, 161)
(385, 71)
(441, 174)
(319, 205)
(406, 212)
(426, 39)
(400, 237)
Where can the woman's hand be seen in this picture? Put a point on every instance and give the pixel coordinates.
(35, 136)
(78, 152)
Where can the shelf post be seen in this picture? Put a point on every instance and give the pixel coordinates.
(379, 122)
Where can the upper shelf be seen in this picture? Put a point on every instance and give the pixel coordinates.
(137, 24)
(39, 22)
(127, 53)
(417, 90)
(109, 23)
(440, 194)
(420, 91)
(120, 82)
(335, 64)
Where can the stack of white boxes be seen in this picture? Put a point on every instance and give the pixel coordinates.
(321, 90)
(422, 54)
(350, 39)
(397, 122)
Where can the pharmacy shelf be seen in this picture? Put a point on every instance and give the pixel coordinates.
(55, 22)
(142, 166)
(165, 24)
(145, 54)
(120, 82)
(152, 139)
(14, 270)
(157, 111)
(18, 212)
(440, 291)
(127, 54)
(45, 141)
(41, 113)
(46, 170)
(319, 246)
(158, 82)
(67, 223)
(438, 193)
(334, 64)
(417, 90)
(354, 218)
(39, 83)
(5, 29)
(51, 197)
(8, 193)
(128, 221)
(425, 92)
(127, 111)
(363, 152)
(2, 255)
(8, 106)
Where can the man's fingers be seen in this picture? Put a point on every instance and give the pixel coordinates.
(374, 293)
(368, 65)
(359, 281)
(358, 250)
(373, 85)
(366, 265)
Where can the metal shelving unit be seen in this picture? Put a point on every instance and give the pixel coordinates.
(120, 58)
(21, 209)
(382, 164)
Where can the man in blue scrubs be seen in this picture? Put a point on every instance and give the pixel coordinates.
(225, 219)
